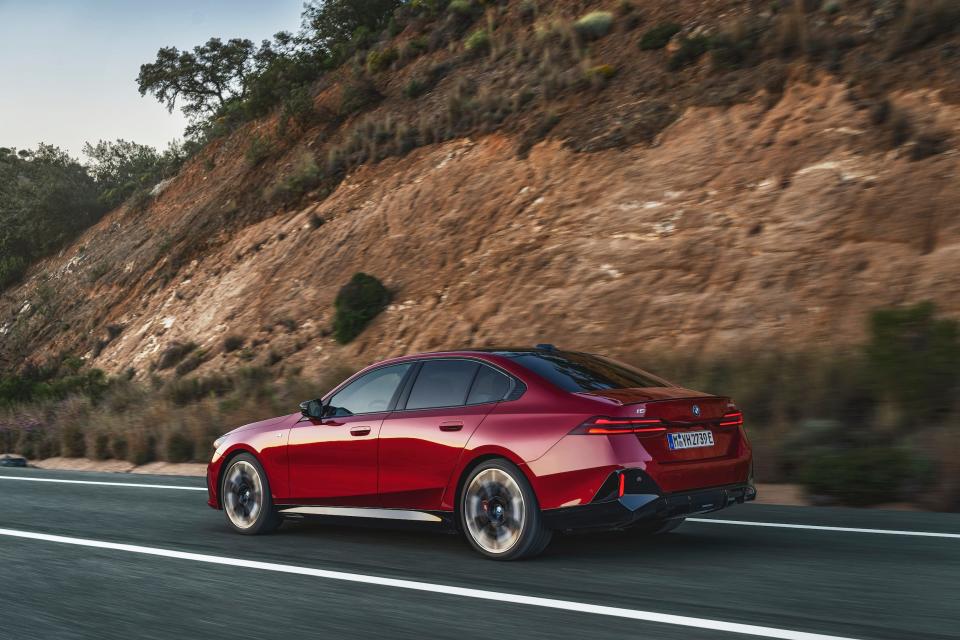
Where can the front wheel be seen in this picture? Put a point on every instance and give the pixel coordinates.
(246, 497)
(499, 512)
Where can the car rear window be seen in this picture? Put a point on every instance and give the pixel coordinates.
(442, 383)
(576, 372)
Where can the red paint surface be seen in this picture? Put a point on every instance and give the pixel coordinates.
(416, 459)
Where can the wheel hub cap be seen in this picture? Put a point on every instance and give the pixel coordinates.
(494, 510)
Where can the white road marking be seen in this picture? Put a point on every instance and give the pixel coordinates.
(781, 525)
(741, 523)
(479, 594)
(110, 484)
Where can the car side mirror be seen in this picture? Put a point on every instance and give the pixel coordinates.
(312, 409)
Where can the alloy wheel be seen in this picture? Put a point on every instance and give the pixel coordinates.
(494, 510)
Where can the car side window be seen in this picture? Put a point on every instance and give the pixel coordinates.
(489, 386)
(369, 393)
(442, 383)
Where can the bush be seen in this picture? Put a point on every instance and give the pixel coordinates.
(594, 25)
(477, 42)
(691, 49)
(861, 476)
(923, 22)
(357, 95)
(304, 177)
(179, 447)
(258, 151)
(174, 354)
(191, 363)
(233, 342)
(461, 7)
(657, 37)
(914, 358)
(380, 59)
(929, 143)
(72, 441)
(357, 303)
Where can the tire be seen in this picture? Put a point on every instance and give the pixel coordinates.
(658, 527)
(245, 494)
(499, 513)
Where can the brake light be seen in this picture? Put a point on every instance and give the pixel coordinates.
(732, 419)
(601, 426)
(622, 488)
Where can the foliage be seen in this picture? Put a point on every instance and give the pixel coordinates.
(594, 25)
(258, 150)
(691, 49)
(657, 37)
(914, 358)
(358, 94)
(205, 80)
(305, 176)
(861, 476)
(478, 41)
(51, 382)
(380, 59)
(122, 168)
(330, 24)
(174, 354)
(356, 304)
(46, 198)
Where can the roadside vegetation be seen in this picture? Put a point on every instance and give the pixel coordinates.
(874, 426)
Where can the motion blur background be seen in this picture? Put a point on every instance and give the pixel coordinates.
(756, 199)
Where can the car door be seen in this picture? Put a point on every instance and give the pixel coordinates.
(333, 461)
(421, 441)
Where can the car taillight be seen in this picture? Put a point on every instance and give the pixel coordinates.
(601, 426)
(732, 419)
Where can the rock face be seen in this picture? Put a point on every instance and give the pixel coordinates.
(768, 227)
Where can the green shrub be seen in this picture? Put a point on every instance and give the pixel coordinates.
(174, 354)
(657, 37)
(233, 342)
(98, 445)
(179, 447)
(414, 88)
(461, 7)
(477, 42)
(691, 50)
(357, 95)
(380, 59)
(142, 448)
(190, 363)
(914, 358)
(594, 25)
(600, 73)
(258, 150)
(72, 441)
(357, 303)
(861, 476)
(304, 177)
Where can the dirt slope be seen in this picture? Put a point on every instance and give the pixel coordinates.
(777, 222)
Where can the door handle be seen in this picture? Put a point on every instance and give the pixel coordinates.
(359, 431)
(452, 425)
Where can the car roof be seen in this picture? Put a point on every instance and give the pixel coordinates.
(506, 352)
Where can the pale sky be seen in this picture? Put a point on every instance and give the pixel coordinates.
(68, 69)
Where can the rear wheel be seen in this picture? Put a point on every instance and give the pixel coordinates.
(246, 497)
(499, 513)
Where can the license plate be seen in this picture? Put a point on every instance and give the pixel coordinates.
(690, 439)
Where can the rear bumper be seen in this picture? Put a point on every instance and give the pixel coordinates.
(636, 508)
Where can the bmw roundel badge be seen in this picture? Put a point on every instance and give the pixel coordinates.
(696, 410)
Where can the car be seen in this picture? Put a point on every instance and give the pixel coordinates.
(506, 445)
(8, 460)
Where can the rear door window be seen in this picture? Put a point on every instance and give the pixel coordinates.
(489, 386)
(442, 383)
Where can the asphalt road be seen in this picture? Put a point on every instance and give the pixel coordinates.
(156, 562)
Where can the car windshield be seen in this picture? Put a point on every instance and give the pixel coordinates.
(578, 372)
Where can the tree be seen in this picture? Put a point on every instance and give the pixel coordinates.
(121, 168)
(330, 23)
(46, 198)
(204, 80)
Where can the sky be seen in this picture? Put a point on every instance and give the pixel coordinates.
(68, 68)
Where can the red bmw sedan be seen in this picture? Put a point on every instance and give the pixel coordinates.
(506, 445)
